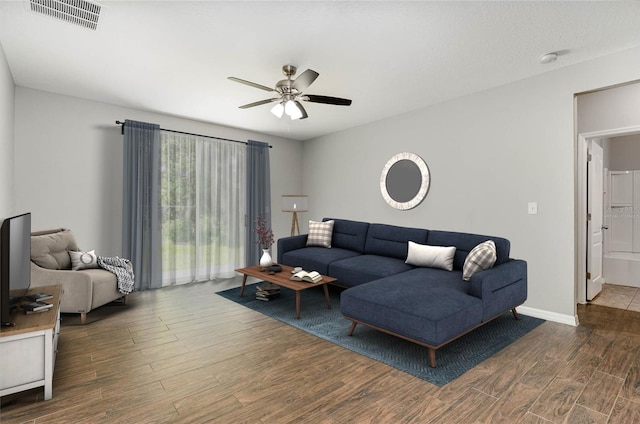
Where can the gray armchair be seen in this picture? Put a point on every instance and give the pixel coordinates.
(82, 290)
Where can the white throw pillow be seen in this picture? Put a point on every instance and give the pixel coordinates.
(83, 260)
(320, 233)
(481, 257)
(431, 256)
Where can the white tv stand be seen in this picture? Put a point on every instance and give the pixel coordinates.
(28, 349)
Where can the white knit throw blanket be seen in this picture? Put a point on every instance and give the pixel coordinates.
(122, 268)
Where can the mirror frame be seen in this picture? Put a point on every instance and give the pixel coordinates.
(424, 184)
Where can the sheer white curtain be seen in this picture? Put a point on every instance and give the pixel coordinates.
(203, 203)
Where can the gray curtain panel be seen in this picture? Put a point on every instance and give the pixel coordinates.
(141, 229)
(258, 196)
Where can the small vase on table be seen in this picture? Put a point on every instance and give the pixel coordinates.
(265, 260)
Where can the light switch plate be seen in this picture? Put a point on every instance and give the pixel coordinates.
(532, 208)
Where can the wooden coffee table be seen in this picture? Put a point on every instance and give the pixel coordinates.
(282, 279)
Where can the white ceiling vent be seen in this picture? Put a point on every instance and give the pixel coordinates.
(80, 12)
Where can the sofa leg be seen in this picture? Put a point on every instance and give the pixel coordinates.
(515, 313)
(125, 299)
(432, 357)
(353, 327)
(83, 318)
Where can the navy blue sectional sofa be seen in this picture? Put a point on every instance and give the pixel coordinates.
(428, 306)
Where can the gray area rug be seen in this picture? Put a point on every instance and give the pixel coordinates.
(453, 359)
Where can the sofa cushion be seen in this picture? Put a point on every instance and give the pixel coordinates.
(364, 268)
(465, 242)
(431, 256)
(83, 260)
(320, 233)
(431, 307)
(350, 235)
(392, 241)
(105, 287)
(315, 258)
(481, 257)
(49, 249)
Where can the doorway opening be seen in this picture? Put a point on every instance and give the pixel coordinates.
(611, 290)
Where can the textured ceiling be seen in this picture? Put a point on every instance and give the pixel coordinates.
(174, 57)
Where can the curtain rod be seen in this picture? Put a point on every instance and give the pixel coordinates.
(188, 133)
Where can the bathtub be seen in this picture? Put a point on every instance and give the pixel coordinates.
(621, 268)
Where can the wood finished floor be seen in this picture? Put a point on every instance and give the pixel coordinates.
(186, 355)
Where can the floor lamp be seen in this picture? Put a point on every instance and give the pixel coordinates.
(294, 203)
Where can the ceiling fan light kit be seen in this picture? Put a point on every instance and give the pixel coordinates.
(291, 108)
(291, 93)
(278, 110)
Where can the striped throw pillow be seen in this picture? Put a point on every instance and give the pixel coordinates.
(320, 233)
(481, 257)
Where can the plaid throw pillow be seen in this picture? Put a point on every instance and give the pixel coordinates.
(320, 233)
(481, 257)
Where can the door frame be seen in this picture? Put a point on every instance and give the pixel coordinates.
(581, 203)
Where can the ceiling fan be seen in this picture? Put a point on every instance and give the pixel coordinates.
(290, 93)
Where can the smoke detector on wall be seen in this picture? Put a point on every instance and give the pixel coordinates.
(79, 12)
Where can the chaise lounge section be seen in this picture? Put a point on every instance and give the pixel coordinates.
(394, 285)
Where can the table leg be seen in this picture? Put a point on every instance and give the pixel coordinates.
(244, 280)
(297, 304)
(326, 295)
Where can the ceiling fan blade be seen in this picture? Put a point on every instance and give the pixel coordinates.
(261, 102)
(305, 80)
(326, 99)
(304, 112)
(252, 84)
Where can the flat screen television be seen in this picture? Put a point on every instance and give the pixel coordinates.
(15, 263)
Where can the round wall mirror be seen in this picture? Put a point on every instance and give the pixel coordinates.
(404, 182)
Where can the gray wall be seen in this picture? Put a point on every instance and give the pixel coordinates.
(624, 152)
(601, 110)
(69, 164)
(489, 154)
(6, 138)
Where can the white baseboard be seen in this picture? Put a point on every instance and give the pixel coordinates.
(549, 316)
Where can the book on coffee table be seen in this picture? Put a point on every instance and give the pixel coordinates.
(267, 292)
(310, 277)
